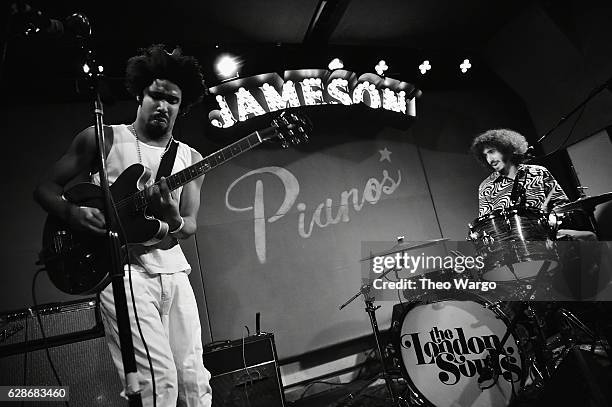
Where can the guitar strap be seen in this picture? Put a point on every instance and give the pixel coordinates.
(167, 161)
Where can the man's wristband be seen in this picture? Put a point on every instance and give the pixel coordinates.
(178, 229)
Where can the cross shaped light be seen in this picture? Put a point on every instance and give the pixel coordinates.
(381, 67)
(425, 66)
(465, 65)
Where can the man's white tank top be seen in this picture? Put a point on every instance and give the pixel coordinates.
(165, 257)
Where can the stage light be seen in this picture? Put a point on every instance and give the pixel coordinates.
(424, 67)
(465, 65)
(227, 67)
(335, 64)
(85, 68)
(381, 67)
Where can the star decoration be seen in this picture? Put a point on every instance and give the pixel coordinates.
(385, 154)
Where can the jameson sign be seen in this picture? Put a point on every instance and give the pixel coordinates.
(241, 99)
(456, 354)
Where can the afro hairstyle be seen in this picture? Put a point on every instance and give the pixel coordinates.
(512, 145)
(155, 62)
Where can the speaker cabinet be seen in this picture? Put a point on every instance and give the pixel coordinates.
(77, 347)
(245, 373)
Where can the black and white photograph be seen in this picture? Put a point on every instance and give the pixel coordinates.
(313, 203)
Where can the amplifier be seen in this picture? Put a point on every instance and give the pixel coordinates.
(245, 372)
(75, 337)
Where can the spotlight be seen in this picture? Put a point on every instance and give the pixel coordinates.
(381, 67)
(424, 67)
(465, 65)
(335, 64)
(227, 67)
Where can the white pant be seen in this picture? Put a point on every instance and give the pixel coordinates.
(170, 324)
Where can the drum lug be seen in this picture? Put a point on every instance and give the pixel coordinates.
(487, 239)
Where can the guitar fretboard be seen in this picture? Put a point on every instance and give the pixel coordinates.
(202, 167)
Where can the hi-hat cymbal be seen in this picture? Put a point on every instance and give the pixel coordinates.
(402, 247)
(586, 203)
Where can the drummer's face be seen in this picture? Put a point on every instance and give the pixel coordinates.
(494, 158)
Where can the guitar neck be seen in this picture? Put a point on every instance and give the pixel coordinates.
(210, 162)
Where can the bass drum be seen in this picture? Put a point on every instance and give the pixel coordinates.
(447, 345)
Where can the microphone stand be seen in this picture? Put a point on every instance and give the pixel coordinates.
(371, 310)
(94, 73)
(598, 89)
(564, 118)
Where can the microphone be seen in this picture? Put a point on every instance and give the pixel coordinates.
(30, 22)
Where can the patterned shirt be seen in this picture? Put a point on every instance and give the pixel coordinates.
(494, 192)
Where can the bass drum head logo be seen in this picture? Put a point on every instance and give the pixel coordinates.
(446, 345)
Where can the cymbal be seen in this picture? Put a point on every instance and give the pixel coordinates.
(402, 247)
(588, 202)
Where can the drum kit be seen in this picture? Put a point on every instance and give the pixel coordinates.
(459, 348)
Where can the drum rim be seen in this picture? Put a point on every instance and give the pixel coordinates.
(512, 210)
(480, 299)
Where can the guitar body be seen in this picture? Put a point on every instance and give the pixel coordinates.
(79, 262)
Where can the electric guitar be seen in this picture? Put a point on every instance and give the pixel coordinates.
(79, 262)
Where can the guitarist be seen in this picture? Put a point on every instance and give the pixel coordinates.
(165, 85)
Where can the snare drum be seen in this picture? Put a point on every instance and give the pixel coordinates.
(515, 243)
(443, 348)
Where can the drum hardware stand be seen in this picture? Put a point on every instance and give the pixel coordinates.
(525, 308)
(569, 323)
(370, 308)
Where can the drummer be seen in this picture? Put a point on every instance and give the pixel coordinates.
(504, 152)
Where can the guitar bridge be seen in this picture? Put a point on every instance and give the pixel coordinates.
(62, 242)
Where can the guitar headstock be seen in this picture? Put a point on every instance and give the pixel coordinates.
(291, 128)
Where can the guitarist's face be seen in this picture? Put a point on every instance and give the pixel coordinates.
(160, 107)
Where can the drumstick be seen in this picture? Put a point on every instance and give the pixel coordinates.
(548, 197)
